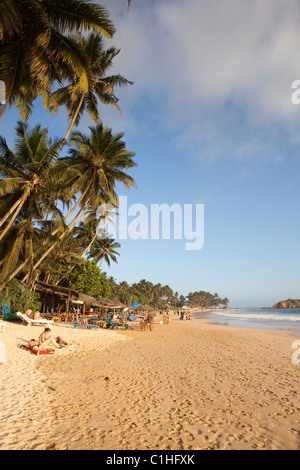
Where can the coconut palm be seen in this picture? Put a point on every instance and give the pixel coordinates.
(36, 44)
(99, 161)
(93, 225)
(104, 249)
(24, 172)
(64, 258)
(100, 89)
(25, 237)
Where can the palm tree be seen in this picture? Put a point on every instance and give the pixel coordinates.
(25, 172)
(36, 44)
(99, 161)
(104, 249)
(64, 258)
(87, 231)
(100, 89)
(25, 237)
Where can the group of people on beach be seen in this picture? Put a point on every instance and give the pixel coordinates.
(36, 315)
(46, 342)
(184, 315)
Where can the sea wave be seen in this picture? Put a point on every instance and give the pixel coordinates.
(260, 316)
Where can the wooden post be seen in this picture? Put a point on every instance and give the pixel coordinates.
(68, 304)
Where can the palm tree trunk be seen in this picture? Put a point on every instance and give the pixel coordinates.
(11, 210)
(90, 244)
(21, 204)
(78, 202)
(71, 124)
(15, 273)
(74, 117)
(74, 221)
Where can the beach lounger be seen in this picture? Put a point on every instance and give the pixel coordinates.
(85, 325)
(29, 321)
(2, 326)
(7, 313)
(112, 324)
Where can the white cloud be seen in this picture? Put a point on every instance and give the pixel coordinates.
(219, 73)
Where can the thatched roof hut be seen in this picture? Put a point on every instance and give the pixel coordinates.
(57, 297)
(88, 301)
(115, 303)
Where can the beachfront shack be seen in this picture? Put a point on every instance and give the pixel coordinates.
(65, 303)
(56, 300)
(115, 304)
(89, 304)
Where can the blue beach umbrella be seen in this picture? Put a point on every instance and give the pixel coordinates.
(135, 305)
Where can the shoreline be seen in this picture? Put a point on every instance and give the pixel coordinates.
(189, 385)
(268, 324)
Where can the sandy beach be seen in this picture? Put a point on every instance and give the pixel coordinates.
(189, 385)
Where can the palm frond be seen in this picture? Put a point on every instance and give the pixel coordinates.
(69, 51)
(9, 185)
(12, 257)
(74, 15)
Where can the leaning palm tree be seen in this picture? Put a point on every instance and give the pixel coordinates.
(35, 44)
(104, 249)
(97, 162)
(24, 172)
(26, 236)
(64, 258)
(100, 88)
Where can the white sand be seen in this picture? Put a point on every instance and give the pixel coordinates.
(25, 409)
(185, 386)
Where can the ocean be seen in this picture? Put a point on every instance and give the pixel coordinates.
(277, 319)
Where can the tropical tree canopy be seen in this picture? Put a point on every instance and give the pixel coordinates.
(38, 47)
(34, 180)
(100, 88)
(88, 279)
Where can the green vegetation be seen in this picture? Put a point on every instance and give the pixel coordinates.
(54, 49)
(48, 200)
(88, 280)
(19, 298)
(157, 295)
(206, 300)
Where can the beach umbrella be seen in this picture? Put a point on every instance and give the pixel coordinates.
(135, 305)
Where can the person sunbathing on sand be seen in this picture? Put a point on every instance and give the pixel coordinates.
(33, 345)
(46, 338)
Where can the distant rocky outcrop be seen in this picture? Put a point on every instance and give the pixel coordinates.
(290, 303)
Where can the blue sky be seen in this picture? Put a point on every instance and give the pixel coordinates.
(211, 121)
